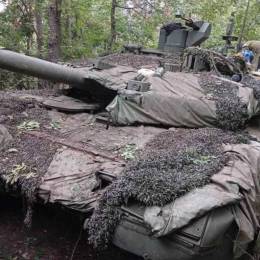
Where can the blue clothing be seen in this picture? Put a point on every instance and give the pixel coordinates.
(248, 55)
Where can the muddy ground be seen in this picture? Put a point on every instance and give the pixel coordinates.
(53, 236)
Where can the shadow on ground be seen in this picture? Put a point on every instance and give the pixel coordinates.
(53, 236)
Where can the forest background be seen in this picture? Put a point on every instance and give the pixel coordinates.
(65, 30)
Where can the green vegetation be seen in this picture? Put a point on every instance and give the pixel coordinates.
(128, 152)
(28, 126)
(19, 171)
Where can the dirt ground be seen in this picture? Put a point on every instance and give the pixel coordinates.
(53, 236)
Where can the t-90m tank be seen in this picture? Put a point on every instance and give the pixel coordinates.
(144, 171)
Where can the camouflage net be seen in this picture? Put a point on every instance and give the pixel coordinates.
(138, 61)
(214, 61)
(251, 82)
(231, 112)
(26, 159)
(172, 164)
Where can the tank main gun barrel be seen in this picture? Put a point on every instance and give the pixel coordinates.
(39, 68)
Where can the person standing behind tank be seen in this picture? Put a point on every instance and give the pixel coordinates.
(255, 47)
(248, 55)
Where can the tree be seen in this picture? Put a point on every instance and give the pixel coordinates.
(113, 26)
(39, 27)
(54, 21)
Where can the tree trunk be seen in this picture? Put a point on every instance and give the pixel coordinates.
(69, 23)
(239, 43)
(38, 27)
(113, 26)
(54, 15)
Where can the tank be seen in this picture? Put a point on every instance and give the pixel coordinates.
(119, 109)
